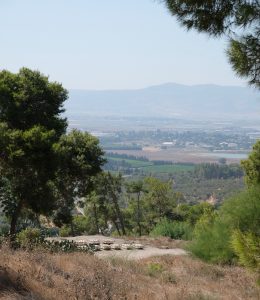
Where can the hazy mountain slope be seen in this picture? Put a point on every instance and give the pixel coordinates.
(168, 100)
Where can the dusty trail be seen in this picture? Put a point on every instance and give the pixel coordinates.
(131, 254)
(140, 254)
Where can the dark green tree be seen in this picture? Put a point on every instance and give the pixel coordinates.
(79, 158)
(93, 210)
(40, 165)
(30, 123)
(160, 200)
(239, 20)
(135, 189)
(105, 204)
(28, 99)
(252, 166)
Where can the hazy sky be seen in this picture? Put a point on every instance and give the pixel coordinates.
(104, 44)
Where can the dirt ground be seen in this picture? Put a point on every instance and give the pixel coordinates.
(151, 247)
(140, 254)
(40, 275)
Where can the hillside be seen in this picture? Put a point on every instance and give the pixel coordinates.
(168, 100)
(44, 276)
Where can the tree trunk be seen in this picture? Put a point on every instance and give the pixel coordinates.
(119, 214)
(139, 215)
(14, 218)
(96, 218)
(117, 228)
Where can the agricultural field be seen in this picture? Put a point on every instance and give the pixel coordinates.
(124, 165)
(171, 168)
(132, 162)
(195, 181)
(183, 156)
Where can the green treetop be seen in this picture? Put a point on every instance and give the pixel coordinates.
(35, 153)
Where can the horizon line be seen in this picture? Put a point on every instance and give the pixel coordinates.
(158, 85)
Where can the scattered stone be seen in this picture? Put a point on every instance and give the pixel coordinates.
(163, 247)
(105, 247)
(127, 246)
(116, 247)
(97, 248)
(138, 246)
(94, 242)
(108, 242)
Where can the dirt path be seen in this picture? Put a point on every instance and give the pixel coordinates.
(132, 254)
(140, 254)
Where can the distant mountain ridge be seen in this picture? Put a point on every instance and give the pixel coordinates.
(168, 100)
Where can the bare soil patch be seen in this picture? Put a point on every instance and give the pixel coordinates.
(151, 246)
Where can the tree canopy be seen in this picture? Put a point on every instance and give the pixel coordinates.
(237, 19)
(28, 99)
(252, 166)
(40, 165)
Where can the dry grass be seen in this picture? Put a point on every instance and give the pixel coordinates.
(39, 275)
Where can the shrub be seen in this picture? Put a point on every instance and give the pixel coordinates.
(4, 229)
(213, 232)
(154, 269)
(4, 225)
(64, 246)
(192, 213)
(247, 248)
(169, 277)
(211, 240)
(174, 230)
(31, 238)
(28, 237)
(197, 210)
(80, 225)
(50, 232)
(65, 231)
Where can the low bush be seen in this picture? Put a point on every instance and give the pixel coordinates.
(64, 246)
(213, 232)
(80, 225)
(192, 213)
(174, 230)
(32, 238)
(154, 269)
(211, 240)
(50, 232)
(65, 231)
(169, 277)
(4, 229)
(247, 248)
(28, 237)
